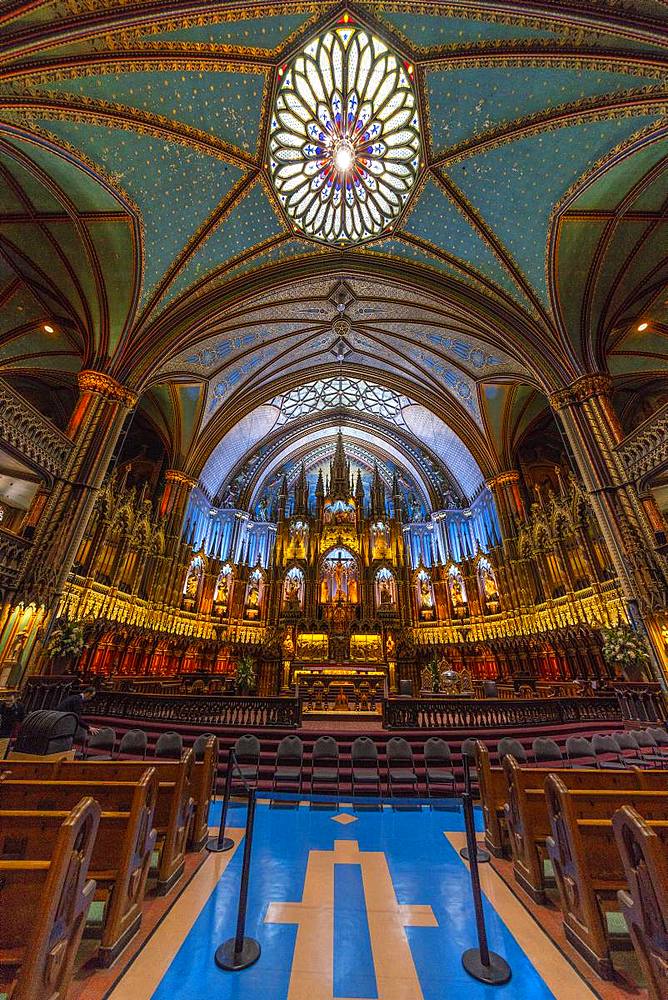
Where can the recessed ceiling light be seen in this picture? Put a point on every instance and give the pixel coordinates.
(642, 326)
(47, 328)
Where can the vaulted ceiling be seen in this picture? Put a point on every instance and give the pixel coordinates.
(139, 230)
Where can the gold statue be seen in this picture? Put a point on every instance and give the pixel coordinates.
(426, 600)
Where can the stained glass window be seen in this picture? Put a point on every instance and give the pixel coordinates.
(344, 150)
(352, 394)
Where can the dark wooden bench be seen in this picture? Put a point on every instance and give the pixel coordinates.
(493, 797)
(203, 781)
(124, 843)
(588, 867)
(644, 901)
(44, 899)
(174, 804)
(527, 816)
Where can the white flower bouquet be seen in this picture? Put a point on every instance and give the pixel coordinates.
(67, 640)
(624, 648)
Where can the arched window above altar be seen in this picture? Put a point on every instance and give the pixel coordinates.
(339, 582)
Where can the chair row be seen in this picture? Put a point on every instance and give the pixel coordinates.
(649, 744)
(103, 743)
(366, 776)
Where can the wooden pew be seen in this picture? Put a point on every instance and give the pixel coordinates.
(204, 777)
(527, 817)
(124, 843)
(173, 807)
(493, 797)
(645, 901)
(587, 865)
(44, 900)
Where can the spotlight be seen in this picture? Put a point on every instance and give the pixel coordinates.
(344, 156)
(642, 326)
(47, 328)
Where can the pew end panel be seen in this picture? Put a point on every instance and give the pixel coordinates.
(204, 777)
(645, 903)
(493, 797)
(44, 905)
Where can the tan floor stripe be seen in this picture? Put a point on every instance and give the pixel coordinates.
(557, 973)
(144, 975)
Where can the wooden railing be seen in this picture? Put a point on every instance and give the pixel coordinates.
(198, 710)
(428, 713)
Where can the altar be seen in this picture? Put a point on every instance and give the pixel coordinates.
(341, 687)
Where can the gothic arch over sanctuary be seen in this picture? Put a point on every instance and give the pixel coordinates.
(332, 335)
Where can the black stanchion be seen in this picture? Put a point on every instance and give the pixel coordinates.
(480, 963)
(221, 842)
(240, 951)
(482, 855)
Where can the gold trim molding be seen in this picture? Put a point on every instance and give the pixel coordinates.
(585, 387)
(176, 476)
(105, 385)
(503, 478)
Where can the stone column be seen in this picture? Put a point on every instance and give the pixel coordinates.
(593, 430)
(176, 494)
(505, 489)
(94, 428)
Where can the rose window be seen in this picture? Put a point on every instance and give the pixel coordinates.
(344, 148)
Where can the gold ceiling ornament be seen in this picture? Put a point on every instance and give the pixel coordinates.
(176, 476)
(503, 478)
(105, 385)
(585, 387)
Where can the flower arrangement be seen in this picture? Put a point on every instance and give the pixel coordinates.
(67, 641)
(625, 648)
(244, 674)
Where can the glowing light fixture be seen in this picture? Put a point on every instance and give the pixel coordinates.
(47, 328)
(642, 326)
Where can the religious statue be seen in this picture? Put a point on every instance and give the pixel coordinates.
(288, 646)
(385, 594)
(338, 580)
(223, 589)
(253, 601)
(456, 591)
(292, 592)
(390, 646)
(426, 600)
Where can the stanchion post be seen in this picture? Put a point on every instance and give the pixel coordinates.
(240, 951)
(482, 856)
(480, 963)
(220, 842)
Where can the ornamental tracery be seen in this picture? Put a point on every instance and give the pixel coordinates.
(344, 147)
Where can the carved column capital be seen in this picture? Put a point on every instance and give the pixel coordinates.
(180, 478)
(106, 386)
(584, 388)
(503, 479)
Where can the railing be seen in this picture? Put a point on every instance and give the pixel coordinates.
(32, 434)
(199, 710)
(428, 713)
(641, 703)
(13, 550)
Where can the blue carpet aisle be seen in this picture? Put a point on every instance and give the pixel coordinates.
(354, 951)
